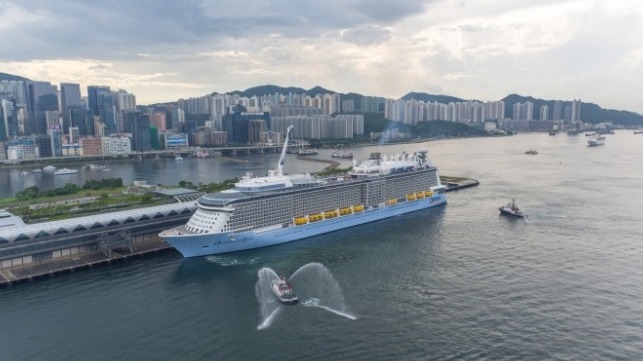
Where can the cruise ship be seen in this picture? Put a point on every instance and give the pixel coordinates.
(279, 208)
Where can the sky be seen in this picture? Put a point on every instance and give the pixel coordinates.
(164, 50)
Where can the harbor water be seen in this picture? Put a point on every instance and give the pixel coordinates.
(458, 282)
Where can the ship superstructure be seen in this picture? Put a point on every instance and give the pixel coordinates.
(278, 208)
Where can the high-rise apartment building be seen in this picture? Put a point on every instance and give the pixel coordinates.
(9, 126)
(544, 112)
(124, 100)
(575, 111)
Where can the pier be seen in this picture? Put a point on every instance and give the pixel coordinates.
(69, 264)
(457, 183)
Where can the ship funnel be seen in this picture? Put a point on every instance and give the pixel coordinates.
(283, 151)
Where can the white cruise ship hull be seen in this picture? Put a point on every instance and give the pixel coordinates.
(208, 244)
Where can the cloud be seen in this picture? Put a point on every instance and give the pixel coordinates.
(382, 11)
(484, 49)
(366, 35)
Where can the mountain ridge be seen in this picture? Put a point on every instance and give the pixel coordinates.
(590, 112)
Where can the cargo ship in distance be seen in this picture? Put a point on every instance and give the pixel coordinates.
(279, 208)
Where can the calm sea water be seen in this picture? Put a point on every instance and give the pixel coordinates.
(458, 282)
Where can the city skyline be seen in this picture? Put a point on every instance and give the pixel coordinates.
(165, 51)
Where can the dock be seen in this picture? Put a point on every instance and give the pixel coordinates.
(457, 183)
(69, 264)
(466, 183)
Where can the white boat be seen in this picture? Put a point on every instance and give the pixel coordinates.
(307, 152)
(511, 209)
(49, 168)
(97, 167)
(37, 170)
(342, 155)
(64, 171)
(178, 158)
(596, 140)
(283, 290)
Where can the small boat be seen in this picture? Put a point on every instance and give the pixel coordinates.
(178, 158)
(97, 167)
(24, 172)
(511, 209)
(531, 151)
(64, 171)
(638, 132)
(307, 152)
(37, 170)
(342, 155)
(283, 290)
(49, 168)
(596, 140)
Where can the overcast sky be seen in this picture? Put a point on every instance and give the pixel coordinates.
(163, 50)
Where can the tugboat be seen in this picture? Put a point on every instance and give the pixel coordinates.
(283, 290)
(511, 209)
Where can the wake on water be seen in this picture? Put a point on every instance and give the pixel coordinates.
(313, 283)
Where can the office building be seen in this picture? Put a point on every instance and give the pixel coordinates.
(69, 98)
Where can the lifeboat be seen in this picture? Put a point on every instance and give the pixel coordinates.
(345, 211)
(410, 197)
(358, 208)
(330, 214)
(428, 193)
(315, 217)
(391, 201)
(419, 195)
(300, 220)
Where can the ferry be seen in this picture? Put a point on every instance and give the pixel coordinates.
(64, 171)
(342, 155)
(279, 208)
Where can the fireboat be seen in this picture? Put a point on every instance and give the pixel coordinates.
(283, 290)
